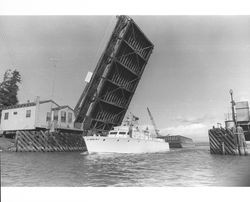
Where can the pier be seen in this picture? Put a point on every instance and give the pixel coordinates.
(227, 141)
(231, 140)
(46, 141)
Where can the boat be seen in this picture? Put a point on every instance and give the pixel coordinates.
(127, 138)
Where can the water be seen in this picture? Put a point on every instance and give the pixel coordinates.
(180, 167)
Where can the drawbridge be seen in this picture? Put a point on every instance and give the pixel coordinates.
(106, 98)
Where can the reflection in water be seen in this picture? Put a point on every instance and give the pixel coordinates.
(180, 167)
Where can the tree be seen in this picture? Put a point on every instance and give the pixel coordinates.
(9, 88)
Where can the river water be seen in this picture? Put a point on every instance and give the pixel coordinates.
(179, 167)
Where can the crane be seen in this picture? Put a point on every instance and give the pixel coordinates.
(153, 122)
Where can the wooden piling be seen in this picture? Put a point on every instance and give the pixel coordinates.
(46, 141)
(223, 148)
(242, 147)
(227, 141)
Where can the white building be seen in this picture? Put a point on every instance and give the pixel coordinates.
(37, 115)
(62, 117)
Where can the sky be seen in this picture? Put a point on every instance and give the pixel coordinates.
(195, 62)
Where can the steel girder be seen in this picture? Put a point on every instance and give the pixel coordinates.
(106, 97)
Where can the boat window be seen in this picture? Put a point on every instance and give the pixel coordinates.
(122, 133)
(113, 133)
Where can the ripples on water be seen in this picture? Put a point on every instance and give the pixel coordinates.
(180, 167)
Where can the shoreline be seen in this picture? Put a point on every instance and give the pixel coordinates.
(6, 144)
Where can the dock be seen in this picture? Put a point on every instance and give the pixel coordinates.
(227, 141)
(44, 141)
(178, 141)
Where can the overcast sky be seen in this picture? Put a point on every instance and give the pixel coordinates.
(196, 60)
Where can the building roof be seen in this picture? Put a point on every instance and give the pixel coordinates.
(62, 107)
(28, 104)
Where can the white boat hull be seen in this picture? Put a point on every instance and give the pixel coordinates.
(124, 145)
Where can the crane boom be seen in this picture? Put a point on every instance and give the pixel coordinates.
(153, 122)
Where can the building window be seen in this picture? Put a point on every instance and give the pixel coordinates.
(6, 116)
(63, 116)
(28, 113)
(55, 115)
(69, 117)
(15, 113)
(48, 117)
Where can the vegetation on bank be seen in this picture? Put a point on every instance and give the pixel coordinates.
(6, 144)
(9, 88)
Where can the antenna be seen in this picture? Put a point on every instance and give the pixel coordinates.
(54, 61)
